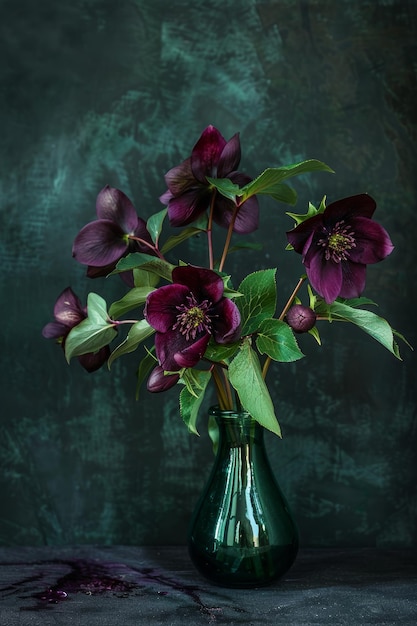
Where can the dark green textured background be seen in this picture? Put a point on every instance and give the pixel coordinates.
(96, 92)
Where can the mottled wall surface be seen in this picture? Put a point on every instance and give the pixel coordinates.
(96, 92)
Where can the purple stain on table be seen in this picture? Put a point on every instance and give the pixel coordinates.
(96, 578)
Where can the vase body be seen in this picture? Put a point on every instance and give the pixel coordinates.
(242, 533)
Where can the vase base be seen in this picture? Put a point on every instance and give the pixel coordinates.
(236, 569)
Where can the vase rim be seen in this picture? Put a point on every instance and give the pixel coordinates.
(229, 413)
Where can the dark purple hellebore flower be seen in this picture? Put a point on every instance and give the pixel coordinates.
(68, 313)
(102, 243)
(187, 313)
(301, 318)
(159, 381)
(189, 192)
(338, 244)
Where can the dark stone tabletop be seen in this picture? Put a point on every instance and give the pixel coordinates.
(123, 585)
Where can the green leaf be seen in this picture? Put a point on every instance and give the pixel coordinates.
(93, 333)
(245, 245)
(246, 377)
(226, 187)
(220, 352)
(258, 301)
(97, 308)
(155, 223)
(281, 193)
(267, 181)
(315, 333)
(192, 396)
(175, 240)
(276, 339)
(143, 278)
(137, 333)
(134, 298)
(375, 326)
(145, 262)
(148, 362)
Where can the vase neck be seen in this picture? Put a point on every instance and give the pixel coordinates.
(237, 428)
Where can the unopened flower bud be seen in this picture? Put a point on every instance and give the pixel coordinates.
(159, 381)
(301, 318)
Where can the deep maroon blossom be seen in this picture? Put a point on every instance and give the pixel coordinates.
(160, 381)
(301, 318)
(189, 193)
(69, 312)
(187, 313)
(338, 244)
(103, 242)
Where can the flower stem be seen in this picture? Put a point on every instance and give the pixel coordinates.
(281, 317)
(220, 389)
(209, 230)
(228, 237)
(149, 245)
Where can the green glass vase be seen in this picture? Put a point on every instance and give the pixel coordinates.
(242, 533)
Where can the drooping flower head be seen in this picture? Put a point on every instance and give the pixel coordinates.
(103, 242)
(187, 313)
(69, 312)
(338, 244)
(189, 192)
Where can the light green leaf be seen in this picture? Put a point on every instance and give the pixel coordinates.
(246, 377)
(192, 396)
(377, 327)
(93, 333)
(88, 337)
(258, 301)
(137, 333)
(175, 240)
(267, 181)
(148, 362)
(97, 308)
(226, 187)
(145, 262)
(245, 245)
(282, 193)
(220, 352)
(134, 298)
(155, 223)
(276, 339)
(143, 278)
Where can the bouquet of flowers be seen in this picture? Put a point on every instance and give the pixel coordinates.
(190, 324)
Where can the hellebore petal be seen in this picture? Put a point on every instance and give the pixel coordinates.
(227, 328)
(187, 207)
(100, 243)
(180, 178)
(206, 154)
(68, 309)
(92, 361)
(112, 204)
(326, 278)
(190, 356)
(161, 309)
(230, 157)
(54, 330)
(202, 282)
(159, 381)
(354, 280)
(372, 241)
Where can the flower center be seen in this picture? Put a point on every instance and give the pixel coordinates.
(193, 317)
(338, 242)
